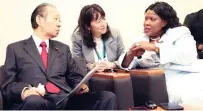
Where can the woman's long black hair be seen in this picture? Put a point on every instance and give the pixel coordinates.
(87, 14)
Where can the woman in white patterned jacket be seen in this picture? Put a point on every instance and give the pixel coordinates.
(169, 46)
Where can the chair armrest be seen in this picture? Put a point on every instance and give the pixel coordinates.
(112, 75)
(1, 101)
(116, 82)
(149, 84)
(2, 77)
(120, 71)
(146, 71)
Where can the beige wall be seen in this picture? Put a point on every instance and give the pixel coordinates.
(124, 15)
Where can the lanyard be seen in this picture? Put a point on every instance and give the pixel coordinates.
(104, 51)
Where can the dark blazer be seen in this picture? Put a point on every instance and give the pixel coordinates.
(23, 66)
(194, 22)
(114, 47)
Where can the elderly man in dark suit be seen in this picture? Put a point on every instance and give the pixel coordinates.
(41, 72)
(194, 22)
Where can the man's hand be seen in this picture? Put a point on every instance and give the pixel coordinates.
(40, 89)
(84, 89)
(200, 47)
(28, 92)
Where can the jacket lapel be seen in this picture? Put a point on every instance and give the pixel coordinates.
(32, 50)
(53, 51)
(88, 54)
(108, 49)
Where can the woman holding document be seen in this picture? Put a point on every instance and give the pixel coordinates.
(171, 47)
(95, 41)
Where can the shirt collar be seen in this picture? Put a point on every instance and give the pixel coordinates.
(97, 38)
(38, 41)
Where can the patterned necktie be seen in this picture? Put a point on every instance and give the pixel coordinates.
(44, 54)
(51, 88)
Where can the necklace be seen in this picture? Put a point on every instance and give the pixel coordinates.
(155, 39)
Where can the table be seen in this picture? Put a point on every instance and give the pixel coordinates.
(186, 107)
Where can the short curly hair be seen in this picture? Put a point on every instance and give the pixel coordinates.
(166, 13)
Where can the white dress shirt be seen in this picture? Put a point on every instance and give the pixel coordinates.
(99, 48)
(38, 41)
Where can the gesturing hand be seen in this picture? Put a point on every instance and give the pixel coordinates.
(146, 45)
(136, 50)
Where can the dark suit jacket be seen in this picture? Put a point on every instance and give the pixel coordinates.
(194, 22)
(23, 66)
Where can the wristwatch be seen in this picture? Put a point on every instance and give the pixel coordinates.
(156, 47)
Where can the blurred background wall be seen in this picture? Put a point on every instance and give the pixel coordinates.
(125, 15)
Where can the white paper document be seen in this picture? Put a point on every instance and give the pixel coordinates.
(83, 81)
